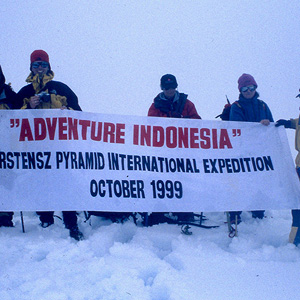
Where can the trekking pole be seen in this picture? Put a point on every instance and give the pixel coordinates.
(227, 100)
(201, 218)
(146, 219)
(232, 231)
(236, 224)
(22, 221)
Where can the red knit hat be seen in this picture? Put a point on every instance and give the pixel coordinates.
(39, 55)
(245, 80)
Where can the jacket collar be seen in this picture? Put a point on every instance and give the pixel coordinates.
(37, 83)
(175, 99)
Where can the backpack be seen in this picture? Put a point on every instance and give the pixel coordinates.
(226, 110)
(227, 107)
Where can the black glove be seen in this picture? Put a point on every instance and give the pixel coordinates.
(285, 123)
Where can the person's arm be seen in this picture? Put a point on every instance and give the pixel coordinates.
(191, 110)
(236, 113)
(63, 90)
(292, 123)
(155, 112)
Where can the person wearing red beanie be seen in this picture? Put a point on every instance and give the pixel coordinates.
(39, 55)
(42, 92)
(249, 109)
(245, 80)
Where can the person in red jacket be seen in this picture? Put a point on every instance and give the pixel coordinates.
(171, 104)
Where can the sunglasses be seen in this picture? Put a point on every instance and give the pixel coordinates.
(251, 88)
(44, 64)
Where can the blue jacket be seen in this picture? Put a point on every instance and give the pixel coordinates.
(250, 110)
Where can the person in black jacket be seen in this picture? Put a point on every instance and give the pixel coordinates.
(43, 92)
(7, 101)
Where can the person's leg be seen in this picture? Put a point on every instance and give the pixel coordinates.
(70, 221)
(235, 215)
(294, 236)
(46, 218)
(6, 219)
(258, 214)
(156, 218)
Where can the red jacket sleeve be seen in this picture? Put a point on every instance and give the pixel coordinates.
(189, 110)
(155, 112)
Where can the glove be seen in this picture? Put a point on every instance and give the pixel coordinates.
(285, 123)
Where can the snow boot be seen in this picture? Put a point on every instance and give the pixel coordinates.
(46, 218)
(157, 218)
(76, 234)
(6, 220)
(258, 214)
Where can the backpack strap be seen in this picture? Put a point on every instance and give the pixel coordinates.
(181, 102)
(238, 104)
(262, 103)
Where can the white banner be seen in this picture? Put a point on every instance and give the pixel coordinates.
(68, 160)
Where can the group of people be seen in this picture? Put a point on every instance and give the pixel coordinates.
(42, 92)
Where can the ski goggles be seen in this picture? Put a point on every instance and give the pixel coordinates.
(251, 88)
(43, 64)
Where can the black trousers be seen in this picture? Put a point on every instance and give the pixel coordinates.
(69, 217)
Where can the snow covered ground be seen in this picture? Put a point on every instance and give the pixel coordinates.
(125, 261)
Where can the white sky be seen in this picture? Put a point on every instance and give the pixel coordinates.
(113, 53)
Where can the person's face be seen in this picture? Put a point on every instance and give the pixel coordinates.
(40, 67)
(248, 92)
(169, 93)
